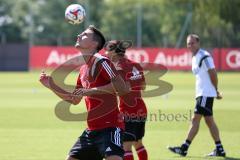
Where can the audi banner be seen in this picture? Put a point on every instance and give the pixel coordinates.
(229, 59)
(173, 59)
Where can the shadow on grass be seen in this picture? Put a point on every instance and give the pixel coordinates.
(202, 158)
(231, 158)
(211, 158)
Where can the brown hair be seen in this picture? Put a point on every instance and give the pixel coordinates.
(118, 46)
(98, 36)
(194, 36)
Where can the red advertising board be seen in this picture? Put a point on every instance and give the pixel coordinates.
(229, 58)
(50, 57)
(173, 59)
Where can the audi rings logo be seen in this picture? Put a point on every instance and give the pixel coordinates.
(139, 56)
(233, 59)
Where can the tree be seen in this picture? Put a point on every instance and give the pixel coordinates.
(9, 30)
(164, 23)
(208, 23)
(230, 13)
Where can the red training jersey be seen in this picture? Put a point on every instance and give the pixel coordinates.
(102, 108)
(132, 104)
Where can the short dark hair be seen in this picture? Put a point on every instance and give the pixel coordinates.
(194, 36)
(98, 36)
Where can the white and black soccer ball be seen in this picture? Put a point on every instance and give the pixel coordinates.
(75, 14)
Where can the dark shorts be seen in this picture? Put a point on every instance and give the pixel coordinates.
(98, 144)
(204, 106)
(134, 129)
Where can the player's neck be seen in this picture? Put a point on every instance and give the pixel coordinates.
(116, 58)
(87, 55)
(195, 52)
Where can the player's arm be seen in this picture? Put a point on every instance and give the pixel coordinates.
(214, 79)
(110, 88)
(65, 95)
(109, 73)
(96, 90)
(48, 82)
(143, 85)
(213, 75)
(120, 86)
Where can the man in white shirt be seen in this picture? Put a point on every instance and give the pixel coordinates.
(206, 90)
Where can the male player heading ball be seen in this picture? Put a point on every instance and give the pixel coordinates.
(103, 137)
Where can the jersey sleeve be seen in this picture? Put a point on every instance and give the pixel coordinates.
(208, 62)
(107, 70)
(120, 69)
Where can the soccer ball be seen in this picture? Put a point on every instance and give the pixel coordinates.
(75, 14)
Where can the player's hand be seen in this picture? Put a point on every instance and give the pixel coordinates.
(45, 79)
(219, 95)
(79, 92)
(69, 97)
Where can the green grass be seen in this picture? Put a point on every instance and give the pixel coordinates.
(29, 129)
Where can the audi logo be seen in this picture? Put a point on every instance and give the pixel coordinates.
(233, 59)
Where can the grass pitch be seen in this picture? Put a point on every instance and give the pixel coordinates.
(29, 129)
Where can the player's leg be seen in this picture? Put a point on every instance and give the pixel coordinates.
(219, 151)
(193, 130)
(84, 148)
(207, 105)
(129, 138)
(114, 158)
(127, 146)
(141, 150)
(71, 158)
(208, 116)
(138, 145)
(110, 144)
(212, 127)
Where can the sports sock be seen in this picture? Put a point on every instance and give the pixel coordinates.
(142, 153)
(186, 145)
(128, 155)
(219, 146)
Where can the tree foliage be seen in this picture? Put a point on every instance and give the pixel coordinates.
(163, 23)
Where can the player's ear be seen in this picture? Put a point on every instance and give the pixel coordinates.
(94, 44)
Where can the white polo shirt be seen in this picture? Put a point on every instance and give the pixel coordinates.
(204, 86)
